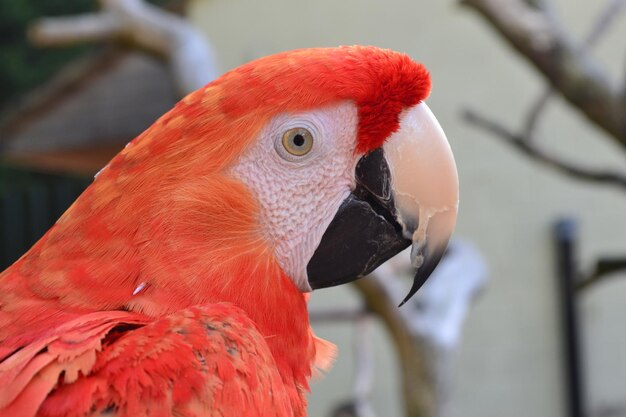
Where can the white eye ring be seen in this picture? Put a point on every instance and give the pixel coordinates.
(295, 143)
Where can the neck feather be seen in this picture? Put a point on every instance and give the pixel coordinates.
(110, 252)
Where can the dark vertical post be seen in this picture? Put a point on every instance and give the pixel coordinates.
(565, 235)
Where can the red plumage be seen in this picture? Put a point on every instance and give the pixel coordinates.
(113, 308)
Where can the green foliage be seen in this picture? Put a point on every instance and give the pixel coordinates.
(22, 65)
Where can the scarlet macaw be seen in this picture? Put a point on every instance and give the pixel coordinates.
(176, 284)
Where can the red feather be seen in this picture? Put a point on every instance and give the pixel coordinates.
(162, 229)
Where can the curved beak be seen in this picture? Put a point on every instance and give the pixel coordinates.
(406, 193)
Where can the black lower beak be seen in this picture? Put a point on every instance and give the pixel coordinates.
(364, 232)
(357, 241)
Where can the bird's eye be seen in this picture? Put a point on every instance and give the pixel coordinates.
(298, 141)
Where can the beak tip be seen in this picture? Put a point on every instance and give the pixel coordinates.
(418, 281)
(423, 272)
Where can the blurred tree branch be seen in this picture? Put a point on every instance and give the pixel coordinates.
(532, 28)
(414, 357)
(528, 147)
(143, 26)
(534, 32)
(426, 329)
(603, 268)
(424, 332)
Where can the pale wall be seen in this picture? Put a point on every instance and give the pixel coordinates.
(509, 365)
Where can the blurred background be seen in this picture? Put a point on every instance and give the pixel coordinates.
(532, 96)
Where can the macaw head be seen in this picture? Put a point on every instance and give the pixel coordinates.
(349, 165)
(298, 171)
(316, 164)
(339, 160)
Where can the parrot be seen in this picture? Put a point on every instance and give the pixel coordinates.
(177, 283)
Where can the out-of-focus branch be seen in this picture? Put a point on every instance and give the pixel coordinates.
(604, 268)
(359, 405)
(539, 17)
(364, 376)
(535, 113)
(426, 329)
(420, 398)
(570, 69)
(530, 149)
(599, 28)
(89, 27)
(144, 26)
(604, 22)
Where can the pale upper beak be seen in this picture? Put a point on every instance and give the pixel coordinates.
(425, 187)
(406, 193)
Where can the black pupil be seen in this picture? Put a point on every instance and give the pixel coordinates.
(298, 140)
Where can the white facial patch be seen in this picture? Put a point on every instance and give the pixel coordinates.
(300, 195)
